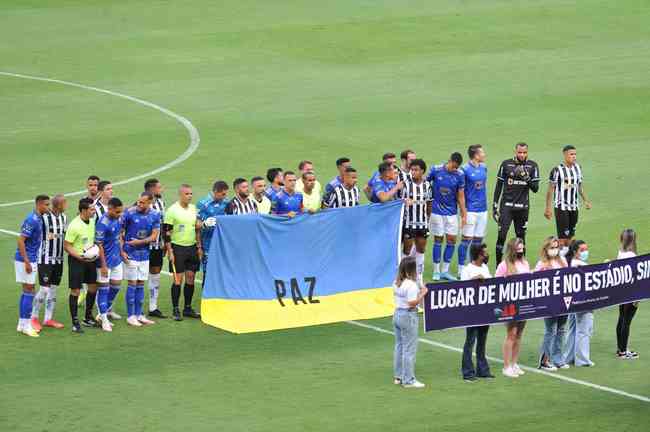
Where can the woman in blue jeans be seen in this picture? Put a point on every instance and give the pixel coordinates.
(407, 294)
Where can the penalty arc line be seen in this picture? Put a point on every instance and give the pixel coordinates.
(195, 138)
(459, 350)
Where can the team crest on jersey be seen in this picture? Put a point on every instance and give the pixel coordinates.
(478, 185)
(142, 234)
(510, 181)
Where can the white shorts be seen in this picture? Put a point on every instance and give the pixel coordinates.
(114, 273)
(22, 277)
(136, 270)
(441, 225)
(476, 225)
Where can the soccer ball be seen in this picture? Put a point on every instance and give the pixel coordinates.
(91, 253)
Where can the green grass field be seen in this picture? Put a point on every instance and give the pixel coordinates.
(270, 83)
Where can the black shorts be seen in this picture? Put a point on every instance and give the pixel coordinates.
(81, 272)
(186, 259)
(155, 258)
(509, 216)
(566, 221)
(50, 274)
(413, 233)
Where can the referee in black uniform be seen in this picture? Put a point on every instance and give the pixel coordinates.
(565, 184)
(516, 177)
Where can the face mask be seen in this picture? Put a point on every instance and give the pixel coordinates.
(584, 256)
(553, 252)
(519, 255)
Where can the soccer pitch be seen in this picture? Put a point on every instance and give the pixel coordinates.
(268, 83)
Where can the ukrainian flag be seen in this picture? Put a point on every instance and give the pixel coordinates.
(270, 272)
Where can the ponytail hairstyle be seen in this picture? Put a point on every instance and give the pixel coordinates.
(407, 270)
(574, 247)
(628, 240)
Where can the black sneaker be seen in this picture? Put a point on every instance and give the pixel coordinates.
(191, 313)
(76, 327)
(177, 315)
(156, 313)
(90, 322)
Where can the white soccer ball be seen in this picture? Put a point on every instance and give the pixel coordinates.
(91, 253)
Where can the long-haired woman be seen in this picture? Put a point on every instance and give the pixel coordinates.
(627, 311)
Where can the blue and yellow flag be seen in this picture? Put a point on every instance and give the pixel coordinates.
(270, 272)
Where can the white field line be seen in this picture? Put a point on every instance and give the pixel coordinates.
(195, 139)
(459, 350)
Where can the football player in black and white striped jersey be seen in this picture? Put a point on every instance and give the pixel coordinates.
(241, 203)
(157, 248)
(417, 196)
(346, 194)
(105, 193)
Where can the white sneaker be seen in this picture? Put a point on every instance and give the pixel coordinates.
(397, 381)
(142, 319)
(414, 384)
(510, 372)
(113, 315)
(519, 371)
(564, 366)
(548, 367)
(106, 325)
(133, 320)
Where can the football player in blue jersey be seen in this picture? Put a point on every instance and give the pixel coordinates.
(288, 202)
(108, 232)
(476, 201)
(141, 227)
(448, 183)
(275, 176)
(386, 186)
(26, 257)
(207, 210)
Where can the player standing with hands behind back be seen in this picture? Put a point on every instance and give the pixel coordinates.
(516, 177)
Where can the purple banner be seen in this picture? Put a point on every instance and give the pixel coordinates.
(536, 295)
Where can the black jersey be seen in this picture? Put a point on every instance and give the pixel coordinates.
(515, 179)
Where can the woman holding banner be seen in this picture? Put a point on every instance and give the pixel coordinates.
(408, 294)
(550, 353)
(581, 324)
(626, 311)
(513, 263)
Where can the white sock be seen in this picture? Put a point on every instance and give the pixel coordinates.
(445, 267)
(436, 267)
(154, 285)
(50, 302)
(460, 268)
(39, 299)
(22, 323)
(419, 264)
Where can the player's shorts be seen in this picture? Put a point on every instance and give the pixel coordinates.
(114, 273)
(136, 270)
(413, 233)
(22, 277)
(81, 272)
(440, 225)
(566, 222)
(50, 274)
(476, 225)
(155, 258)
(186, 259)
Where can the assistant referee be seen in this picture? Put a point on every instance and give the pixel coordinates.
(181, 230)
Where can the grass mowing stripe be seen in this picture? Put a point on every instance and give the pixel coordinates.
(527, 368)
(195, 138)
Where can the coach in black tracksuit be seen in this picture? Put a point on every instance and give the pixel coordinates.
(515, 178)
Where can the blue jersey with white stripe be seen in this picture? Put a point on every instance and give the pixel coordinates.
(32, 230)
(446, 185)
(107, 233)
(475, 187)
(285, 203)
(139, 225)
(270, 192)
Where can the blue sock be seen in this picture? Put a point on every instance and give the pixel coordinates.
(113, 290)
(102, 299)
(449, 252)
(139, 299)
(25, 305)
(462, 251)
(437, 252)
(130, 300)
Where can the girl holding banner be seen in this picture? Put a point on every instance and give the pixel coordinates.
(513, 263)
(626, 311)
(408, 294)
(550, 353)
(581, 324)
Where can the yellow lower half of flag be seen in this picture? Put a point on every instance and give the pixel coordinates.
(248, 316)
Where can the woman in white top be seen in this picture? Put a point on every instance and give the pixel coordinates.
(514, 262)
(627, 311)
(581, 324)
(550, 353)
(407, 294)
